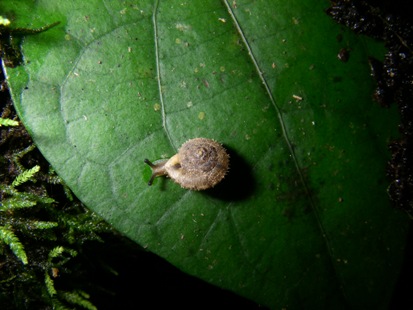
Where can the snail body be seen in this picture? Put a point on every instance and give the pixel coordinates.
(200, 164)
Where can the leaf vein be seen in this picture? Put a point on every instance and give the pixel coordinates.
(158, 70)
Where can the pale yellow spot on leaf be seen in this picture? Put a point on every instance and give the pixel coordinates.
(157, 107)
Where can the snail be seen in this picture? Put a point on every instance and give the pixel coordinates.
(200, 164)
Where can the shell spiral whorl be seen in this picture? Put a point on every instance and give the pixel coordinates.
(199, 154)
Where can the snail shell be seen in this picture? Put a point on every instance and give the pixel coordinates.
(200, 164)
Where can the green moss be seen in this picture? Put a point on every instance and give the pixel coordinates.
(42, 230)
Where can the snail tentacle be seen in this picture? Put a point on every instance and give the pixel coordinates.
(158, 169)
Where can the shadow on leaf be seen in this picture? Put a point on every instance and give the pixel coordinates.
(239, 182)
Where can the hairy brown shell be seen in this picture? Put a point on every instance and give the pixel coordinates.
(200, 164)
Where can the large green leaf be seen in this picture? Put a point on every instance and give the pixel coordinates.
(303, 220)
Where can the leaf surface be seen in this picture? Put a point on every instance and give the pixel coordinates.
(303, 218)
